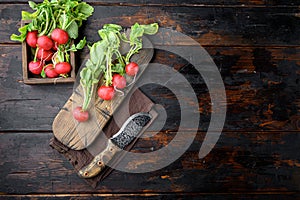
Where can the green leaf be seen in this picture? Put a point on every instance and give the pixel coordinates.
(72, 30)
(85, 76)
(94, 53)
(98, 71)
(81, 44)
(150, 29)
(31, 27)
(88, 74)
(95, 81)
(18, 38)
(113, 40)
(89, 64)
(23, 29)
(112, 27)
(82, 80)
(26, 15)
(32, 5)
(103, 34)
(23, 32)
(85, 9)
(118, 68)
(64, 21)
(73, 48)
(136, 32)
(97, 53)
(123, 37)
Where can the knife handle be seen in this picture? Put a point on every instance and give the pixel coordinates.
(98, 163)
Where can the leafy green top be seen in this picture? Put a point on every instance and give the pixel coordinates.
(65, 14)
(107, 48)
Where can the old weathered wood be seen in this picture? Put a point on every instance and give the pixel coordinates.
(179, 3)
(240, 162)
(254, 43)
(262, 86)
(159, 196)
(207, 25)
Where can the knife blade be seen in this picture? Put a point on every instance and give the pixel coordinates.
(129, 130)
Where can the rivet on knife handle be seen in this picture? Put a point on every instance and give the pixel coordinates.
(129, 130)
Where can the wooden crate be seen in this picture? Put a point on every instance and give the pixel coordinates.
(29, 78)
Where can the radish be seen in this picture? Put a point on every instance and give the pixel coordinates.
(132, 69)
(35, 67)
(45, 55)
(31, 38)
(44, 42)
(106, 92)
(80, 115)
(62, 68)
(119, 81)
(59, 36)
(50, 72)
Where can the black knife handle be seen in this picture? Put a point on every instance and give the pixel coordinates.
(98, 163)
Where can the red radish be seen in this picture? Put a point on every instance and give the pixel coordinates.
(31, 38)
(45, 55)
(59, 36)
(62, 68)
(80, 115)
(106, 92)
(50, 72)
(44, 42)
(35, 67)
(131, 69)
(119, 81)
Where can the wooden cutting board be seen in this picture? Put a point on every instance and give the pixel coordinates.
(77, 135)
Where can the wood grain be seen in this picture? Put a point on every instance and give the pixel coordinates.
(240, 162)
(254, 43)
(180, 3)
(154, 196)
(262, 88)
(207, 25)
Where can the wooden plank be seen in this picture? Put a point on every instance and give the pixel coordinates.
(262, 86)
(264, 76)
(208, 25)
(154, 196)
(241, 162)
(180, 3)
(24, 102)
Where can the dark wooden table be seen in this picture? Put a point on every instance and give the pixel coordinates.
(256, 46)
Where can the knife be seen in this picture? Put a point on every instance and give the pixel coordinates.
(129, 130)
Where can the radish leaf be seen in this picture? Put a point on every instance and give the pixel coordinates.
(72, 30)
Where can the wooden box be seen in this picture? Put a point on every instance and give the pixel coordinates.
(29, 78)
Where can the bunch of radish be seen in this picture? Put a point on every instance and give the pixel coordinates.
(107, 93)
(46, 62)
(118, 82)
(115, 72)
(49, 32)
